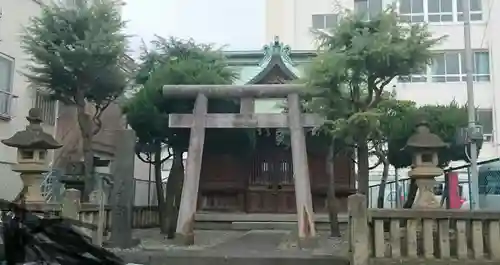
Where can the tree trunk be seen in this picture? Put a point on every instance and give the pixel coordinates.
(175, 177)
(412, 194)
(85, 123)
(331, 198)
(383, 182)
(160, 194)
(178, 191)
(363, 168)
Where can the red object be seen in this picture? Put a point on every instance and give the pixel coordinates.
(455, 200)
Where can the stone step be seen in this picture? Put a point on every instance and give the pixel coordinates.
(228, 221)
(214, 259)
(244, 226)
(263, 225)
(252, 217)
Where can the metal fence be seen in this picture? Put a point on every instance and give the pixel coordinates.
(145, 192)
(396, 192)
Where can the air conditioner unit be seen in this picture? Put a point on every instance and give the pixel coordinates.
(488, 137)
(465, 134)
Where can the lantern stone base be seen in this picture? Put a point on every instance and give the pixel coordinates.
(425, 197)
(32, 182)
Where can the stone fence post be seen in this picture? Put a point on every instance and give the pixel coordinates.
(71, 208)
(71, 204)
(358, 230)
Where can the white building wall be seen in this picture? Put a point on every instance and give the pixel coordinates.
(144, 173)
(294, 28)
(14, 15)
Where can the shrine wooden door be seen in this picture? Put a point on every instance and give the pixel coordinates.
(271, 185)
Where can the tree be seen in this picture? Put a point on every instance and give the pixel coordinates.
(171, 62)
(357, 60)
(395, 116)
(76, 52)
(142, 112)
(398, 119)
(444, 120)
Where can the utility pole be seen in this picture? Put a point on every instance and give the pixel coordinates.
(474, 180)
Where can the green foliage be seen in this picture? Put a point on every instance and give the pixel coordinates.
(175, 62)
(397, 119)
(144, 116)
(394, 121)
(444, 120)
(186, 63)
(356, 61)
(371, 53)
(76, 52)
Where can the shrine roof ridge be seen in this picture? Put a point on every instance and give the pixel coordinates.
(237, 91)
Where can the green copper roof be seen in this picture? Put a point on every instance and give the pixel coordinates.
(254, 66)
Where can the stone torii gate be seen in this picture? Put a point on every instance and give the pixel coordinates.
(200, 120)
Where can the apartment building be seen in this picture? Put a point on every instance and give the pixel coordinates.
(444, 80)
(16, 97)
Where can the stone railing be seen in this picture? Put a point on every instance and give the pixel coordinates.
(411, 236)
(142, 217)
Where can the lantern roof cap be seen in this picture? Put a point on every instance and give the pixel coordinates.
(33, 137)
(423, 138)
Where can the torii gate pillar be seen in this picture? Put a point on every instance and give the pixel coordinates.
(200, 120)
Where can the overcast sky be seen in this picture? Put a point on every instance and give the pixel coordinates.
(239, 24)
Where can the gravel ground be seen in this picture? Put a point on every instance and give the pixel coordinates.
(238, 243)
(151, 239)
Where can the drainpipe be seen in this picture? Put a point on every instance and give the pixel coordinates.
(295, 22)
(54, 133)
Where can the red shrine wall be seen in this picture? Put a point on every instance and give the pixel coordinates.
(263, 182)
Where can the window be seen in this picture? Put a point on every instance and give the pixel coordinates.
(264, 166)
(412, 10)
(476, 13)
(368, 8)
(484, 117)
(450, 67)
(489, 183)
(47, 107)
(438, 189)
(324, 21)
(6, 96)
(446, 67)
(481, 66)
(392, 196)
(417, 77)
(438, 11)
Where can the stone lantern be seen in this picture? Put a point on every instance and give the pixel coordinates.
(425, 147)
(32, 160)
